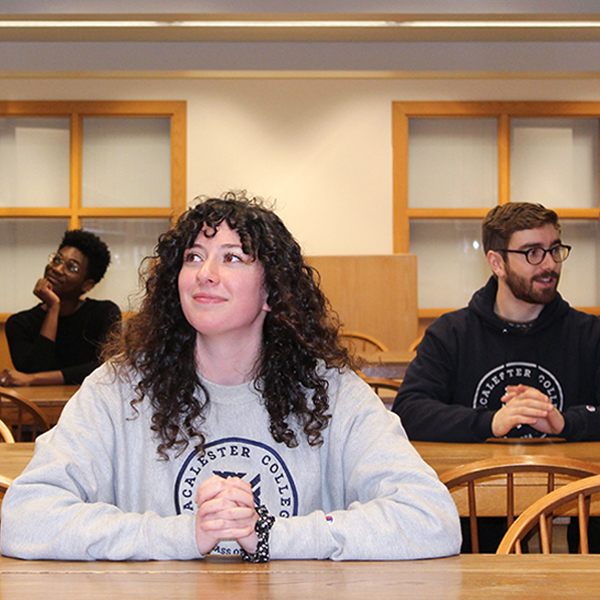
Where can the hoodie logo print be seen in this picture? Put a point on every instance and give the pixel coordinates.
(492, 386)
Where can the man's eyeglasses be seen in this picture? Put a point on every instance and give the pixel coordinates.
(71, 266)
(536, 256)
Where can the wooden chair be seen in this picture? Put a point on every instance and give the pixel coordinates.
(381, 384)
(22, 411)
(540, 514)
(5, 433)
(362, 342)
(413, 346)
(504, 468)
(4, 484)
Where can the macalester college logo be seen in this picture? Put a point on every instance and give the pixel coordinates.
(492, 385)
(258, 464)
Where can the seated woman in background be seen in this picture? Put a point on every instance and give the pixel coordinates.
(228, 421)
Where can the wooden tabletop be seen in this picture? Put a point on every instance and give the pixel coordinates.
(444, 456)
(391, 365)
(441, 456)
(466, 577)
(49, 394)
(491, 494)
(50, 399)
(14, 458)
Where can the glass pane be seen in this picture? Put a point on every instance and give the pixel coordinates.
(555, 162)
(34, 162)
(580, 275)
(24, 248)
(130, 241)
(453, 163)
(450, 261)
(126, 162)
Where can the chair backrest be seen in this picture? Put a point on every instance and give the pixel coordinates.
(504, 468)
(415, 344)
(6, 433)
(385, 388)
(362, 342)
(541, 514)
(4, 484)
(23, 412)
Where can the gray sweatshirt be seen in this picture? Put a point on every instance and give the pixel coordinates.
(96, 488)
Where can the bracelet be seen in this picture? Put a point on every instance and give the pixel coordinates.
(262, 528)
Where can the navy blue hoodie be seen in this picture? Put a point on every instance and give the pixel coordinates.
(467, 358)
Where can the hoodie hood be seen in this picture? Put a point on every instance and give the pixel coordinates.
(482, 304)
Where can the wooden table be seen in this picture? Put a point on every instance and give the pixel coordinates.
(14, 458)
(467, 577)
(51, 399)
(491, 494)
(445, 456)
(391, 365)
(441, 456)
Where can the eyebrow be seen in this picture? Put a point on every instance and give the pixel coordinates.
(68, 259)
(539, 245)
(226, 246)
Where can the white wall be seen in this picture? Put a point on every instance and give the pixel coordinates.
(321, 147)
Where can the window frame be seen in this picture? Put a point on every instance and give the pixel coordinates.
(76, 111)
(503, 112)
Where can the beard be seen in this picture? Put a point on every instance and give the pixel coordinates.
(524, 289)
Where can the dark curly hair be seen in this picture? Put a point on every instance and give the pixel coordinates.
(300, 332)
(92, 247)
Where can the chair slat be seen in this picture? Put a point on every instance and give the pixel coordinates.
(508, 466)
(541, 512)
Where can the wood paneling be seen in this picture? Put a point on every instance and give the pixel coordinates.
(5, 361)
(373, 294)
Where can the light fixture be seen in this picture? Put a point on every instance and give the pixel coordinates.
(285, 23)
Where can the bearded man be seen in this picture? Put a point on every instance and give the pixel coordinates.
(518, 361)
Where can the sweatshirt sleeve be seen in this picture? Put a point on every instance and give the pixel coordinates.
(382, 501)
(425, 401)
(30, 352)
(67, 505)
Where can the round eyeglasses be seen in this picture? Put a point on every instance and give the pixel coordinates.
(56, 259)
(536, 256)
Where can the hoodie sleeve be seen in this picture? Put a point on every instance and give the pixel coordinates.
(582, 412)
(381, 500)
(426, 400)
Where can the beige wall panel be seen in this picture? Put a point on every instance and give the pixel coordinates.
(376, 295)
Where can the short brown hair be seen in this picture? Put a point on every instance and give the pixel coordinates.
(504, 220)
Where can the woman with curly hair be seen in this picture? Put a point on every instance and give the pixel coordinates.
(227, 420)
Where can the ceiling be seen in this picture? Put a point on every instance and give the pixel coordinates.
(323, 35)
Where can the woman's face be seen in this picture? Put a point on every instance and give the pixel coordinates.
(221, 288)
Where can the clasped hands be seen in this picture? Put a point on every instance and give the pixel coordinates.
(524, 405)
(225, 512)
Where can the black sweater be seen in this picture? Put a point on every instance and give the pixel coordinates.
(467, 358)
(78, 339)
